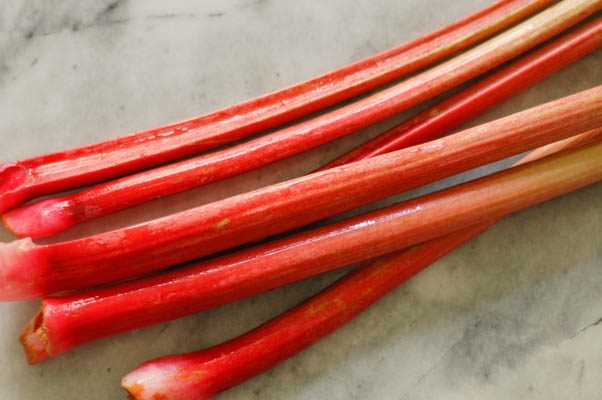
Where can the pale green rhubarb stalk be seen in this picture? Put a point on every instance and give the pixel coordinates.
(202, 374)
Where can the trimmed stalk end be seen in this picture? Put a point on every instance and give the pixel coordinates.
(34, 340)
(13, 181)
(38, 220)
(148, 382)
(23, 271)
(166, 378)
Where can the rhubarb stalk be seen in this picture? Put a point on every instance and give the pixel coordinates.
(67, 321)
(30, 270)
(476, 99)
(202, 374)
(26, 179)
(52, 216)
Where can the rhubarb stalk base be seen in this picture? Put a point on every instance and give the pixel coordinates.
(23, 270)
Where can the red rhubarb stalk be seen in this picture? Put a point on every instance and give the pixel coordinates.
(55, 215)
(65, 322)
(26, 179)
(202, 374)
(30, 270)
(50, 216)
(476, 99)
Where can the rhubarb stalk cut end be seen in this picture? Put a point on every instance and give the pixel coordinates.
(23, 271)
(171, 377)
(13, 180)
(34, 341)
(160, 380)
(38, 220)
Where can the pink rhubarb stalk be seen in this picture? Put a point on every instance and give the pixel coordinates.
(202, 374)
(67, 321)
(468, 103)
(30, 270)
(52, 216)
(27, 179)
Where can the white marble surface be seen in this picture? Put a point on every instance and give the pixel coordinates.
(513, 314)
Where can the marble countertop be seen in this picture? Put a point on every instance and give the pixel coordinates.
(515, 313)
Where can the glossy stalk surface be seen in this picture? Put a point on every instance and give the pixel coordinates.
(52, 216)
(29, 270)
(26, 179)
(202, 374)
(67, 321)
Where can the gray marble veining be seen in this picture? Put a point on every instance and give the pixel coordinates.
(515, 313)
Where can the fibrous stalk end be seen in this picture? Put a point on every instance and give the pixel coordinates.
(34, 341)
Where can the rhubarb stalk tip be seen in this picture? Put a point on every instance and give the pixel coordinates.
(22, 271)
(152, 381)
(38, 220)
(13, 179)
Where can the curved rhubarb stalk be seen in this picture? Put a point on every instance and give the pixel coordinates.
(71, 320)
(98, 162)
(204, 230)
(202, 374)
(50, 216)
(468, 103)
